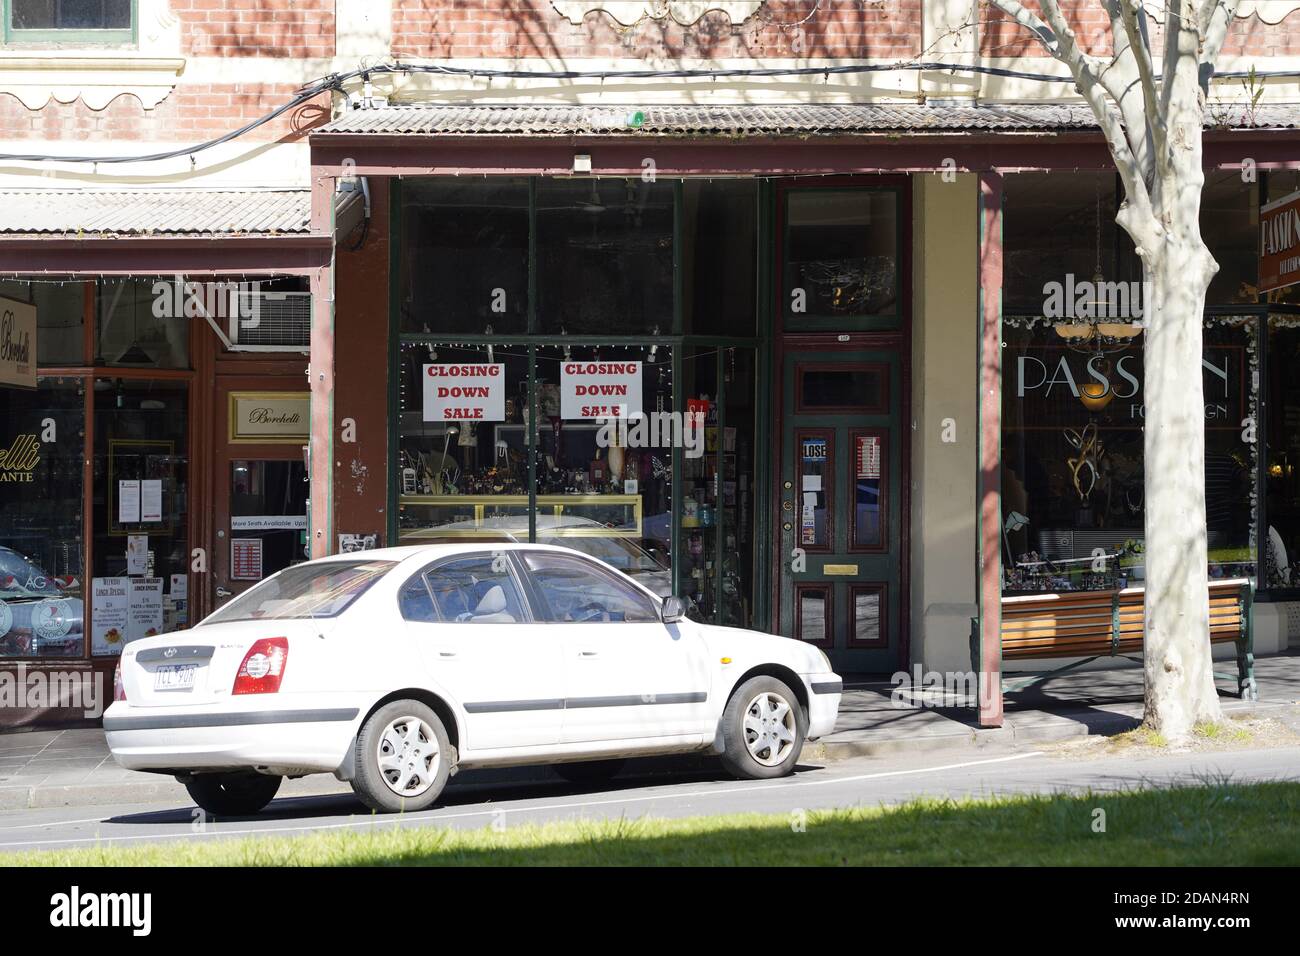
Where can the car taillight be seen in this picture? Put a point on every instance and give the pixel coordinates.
(263, 667)
(119, 688)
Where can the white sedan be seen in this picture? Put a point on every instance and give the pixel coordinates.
(392, 669)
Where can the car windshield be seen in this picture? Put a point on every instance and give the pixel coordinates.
(19, 578)
(304, 590)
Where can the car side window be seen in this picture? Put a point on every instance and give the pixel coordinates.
(577, 591)
(416, 603)
(474, 590)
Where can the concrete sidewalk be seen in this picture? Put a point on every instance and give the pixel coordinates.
(74, 768)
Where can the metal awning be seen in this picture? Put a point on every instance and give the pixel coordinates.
(209, 213)
(632, 121)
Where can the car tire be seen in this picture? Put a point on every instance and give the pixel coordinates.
(763, 730)
(403, 758)
(233, 794)
(590, 771)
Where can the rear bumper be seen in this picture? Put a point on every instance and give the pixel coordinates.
(302, 737)
(824, 692)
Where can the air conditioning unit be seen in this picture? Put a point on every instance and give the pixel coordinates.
(271, 322)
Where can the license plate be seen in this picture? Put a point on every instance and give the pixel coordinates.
(174, 676)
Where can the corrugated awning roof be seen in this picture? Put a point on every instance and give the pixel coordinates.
(753, 120)
(72, 213)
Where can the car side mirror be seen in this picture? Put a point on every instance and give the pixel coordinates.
(674, 610)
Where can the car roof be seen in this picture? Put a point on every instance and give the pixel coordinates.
(439, 548)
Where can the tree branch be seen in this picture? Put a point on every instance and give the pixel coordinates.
(1215, 17)
(1139, 47)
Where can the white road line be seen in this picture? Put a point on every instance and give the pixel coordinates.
(399, 821)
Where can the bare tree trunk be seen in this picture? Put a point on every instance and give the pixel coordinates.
(1179, 677)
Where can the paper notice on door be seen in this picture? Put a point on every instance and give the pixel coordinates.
(145, 617)
(137, 554)
(128, 502)
(868, 456)
(812, 482)
(110, 603)
(151, 501)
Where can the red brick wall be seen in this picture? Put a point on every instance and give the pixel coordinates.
(530, 28)
(1002, 36)
(190, 114)
(296, 28)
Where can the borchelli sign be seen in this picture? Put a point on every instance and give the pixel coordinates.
(1279, 243)
(17, 344)
(465, 392)
(269, 417)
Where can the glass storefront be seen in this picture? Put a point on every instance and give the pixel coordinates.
(94, 485)
(567, 374)
(1072, 448)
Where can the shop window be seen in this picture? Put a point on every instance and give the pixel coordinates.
(42, 445)
(465, 262)
(463, 444)
(140, 548)
(1060, 227)
(839, 256)
(719, 230)
(1230, 225)
(1282, 468)
(1073, 493)
(604, 461)
(131, 331)
(613, 240)
(60, 318)
(105, 21)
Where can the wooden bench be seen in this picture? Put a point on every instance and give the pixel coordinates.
(1093, 624)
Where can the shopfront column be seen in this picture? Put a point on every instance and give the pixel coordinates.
(321, 375)
(990, 427)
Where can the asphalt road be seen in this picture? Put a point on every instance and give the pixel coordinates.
(664, 790)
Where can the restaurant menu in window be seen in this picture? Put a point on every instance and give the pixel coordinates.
(110, 605)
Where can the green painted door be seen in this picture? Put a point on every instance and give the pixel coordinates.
(841, 485)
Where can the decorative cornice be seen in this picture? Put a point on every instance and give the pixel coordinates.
(97, 76)
(631, 12)
(1270, 11)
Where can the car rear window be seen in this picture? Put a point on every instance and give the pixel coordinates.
(304, 590)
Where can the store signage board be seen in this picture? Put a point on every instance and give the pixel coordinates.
(268, 522)
(458, 392)
(145, 616)
(269, 418)
(17, 344)
(1279, 243)
(600, 389)
(245, 559)
(109, 610)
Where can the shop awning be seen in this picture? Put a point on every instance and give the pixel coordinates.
(751, 120)
(87, 213)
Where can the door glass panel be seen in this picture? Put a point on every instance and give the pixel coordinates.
(841, 388)
(141, 516)
(868, 466)
(813, 610)
(868, 605)
(575, 592)
(813, 508)
(841, 253)
(268, 517)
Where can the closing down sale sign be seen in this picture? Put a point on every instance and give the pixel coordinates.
(454, 392)
(600, 389)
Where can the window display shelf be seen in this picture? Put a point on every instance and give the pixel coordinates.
(562, 516)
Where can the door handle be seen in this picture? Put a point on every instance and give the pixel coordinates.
(223, 593)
